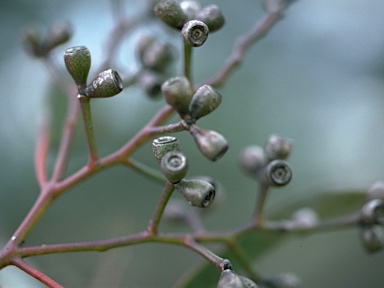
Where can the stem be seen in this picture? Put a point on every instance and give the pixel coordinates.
(188, 62)
(171, 128)
(41, 153)
(260, 202)
(22, 265)
(166, 194)
(87, 117)
(145, 170)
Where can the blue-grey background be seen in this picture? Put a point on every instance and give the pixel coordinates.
(317, 78)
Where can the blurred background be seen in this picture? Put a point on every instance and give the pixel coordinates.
(317, 78)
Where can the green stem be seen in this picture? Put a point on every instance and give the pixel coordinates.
(166, 194)
(86, 111)
(145, 170)
(188, 62)
(260, 203)
(235, 249)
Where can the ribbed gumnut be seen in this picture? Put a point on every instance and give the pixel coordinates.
(204, 101)
(107, 84)
(278, 173)
(198, 193)
(372, 238)
(252, 160)
(212, 16)
(170, 12)
(194, 33)
(58, 34)
(190, 8)
(154, 54)
(163, 145)
(210, 143)
(372, 212)
(78, 62)
(229, 279)
(278, 147)
(174, 166)
(178, 93)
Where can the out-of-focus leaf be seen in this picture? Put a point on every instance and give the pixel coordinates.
(327, 205)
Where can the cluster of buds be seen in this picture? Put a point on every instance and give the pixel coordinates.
(191, 18)
(268, 164)
(192, 106)
(155, 58)
(39, 45)
(372, 219)
(78, 62)
(174, 166)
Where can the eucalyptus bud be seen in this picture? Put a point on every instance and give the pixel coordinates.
(305, 218)
(278, 173)
(150, 82)
(210, 143)
(155, 55)
(204, 101)
(163, 145)
(285, 280)
(376, 191)
(195, 33)
(178, 93)
(32, 40)
(278, 147)
(58, 34)
(198, 193)
(372, 238)
(212, 16)
(190, 8)
(170, 12)
(229, 279)
(107, 84)
(373, 212)
(248, 283)
(174, 166)
(78, 62)
(252, 160)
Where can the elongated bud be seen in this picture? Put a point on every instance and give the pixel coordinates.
(372, 238)
(278, 147)
(376, 191)
(278, 173)
(373, 212)
(204, 101)
(170, 12)
(195, 33)
(252, 160)
(229, 279)
(178, 93)
(59, 33)
(212, 16)
(197, 192)
(190, 8)
(78, 62)
(107, 84)
(163, 145)
(210, 143)
(174, 166)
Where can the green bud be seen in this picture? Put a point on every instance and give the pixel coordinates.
(372, 238)
(170, 12)
(178, 93)
(195, 33)
(107, 84)
(373, 212)
(78, 62)
(163, 145)
(212, 16)
(210, 143)
(204, 101)
(252, 160)
(174, 166)
(198, 193)
(278, 173)
(278, 147)
(190, 8)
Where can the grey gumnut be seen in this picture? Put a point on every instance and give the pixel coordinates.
(195, 33)
(107, 84)
(163, 145)
(174, 166)
(278, 173)
(372, 238)
(190, 8)
(376, 191)
(373, 212)
(178, 93)
(170, 12)
(252, 160)
(204, 101)
(198, 193)
(229, 279)
(150, 82)
(212, 16)
(78, 62)
(278, 147)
